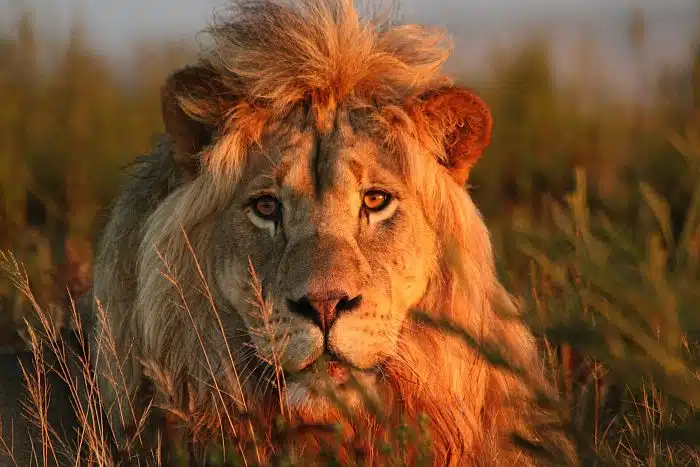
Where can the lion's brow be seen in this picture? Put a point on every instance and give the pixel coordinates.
(288, 163)
(281, 171)
(324, 167)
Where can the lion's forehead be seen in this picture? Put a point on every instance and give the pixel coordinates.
(307, 163)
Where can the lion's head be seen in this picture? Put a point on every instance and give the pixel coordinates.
(309, 196)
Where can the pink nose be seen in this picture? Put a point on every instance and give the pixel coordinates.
(324, 310)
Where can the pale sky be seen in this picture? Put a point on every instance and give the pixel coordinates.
(113, 23)
(115, 26)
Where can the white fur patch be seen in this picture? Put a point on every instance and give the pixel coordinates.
(384, 214)
(263, 224)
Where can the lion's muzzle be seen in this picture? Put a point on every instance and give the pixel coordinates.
(323, 310)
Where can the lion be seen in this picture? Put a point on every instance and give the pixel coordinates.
(307, 196)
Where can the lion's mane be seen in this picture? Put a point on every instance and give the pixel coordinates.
(152, 277)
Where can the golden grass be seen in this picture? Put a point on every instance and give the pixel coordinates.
(622, 345)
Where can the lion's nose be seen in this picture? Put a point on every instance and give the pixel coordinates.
(324, 310)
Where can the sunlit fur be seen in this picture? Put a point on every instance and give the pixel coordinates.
(270, 58)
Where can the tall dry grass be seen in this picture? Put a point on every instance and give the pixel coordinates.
(616, 310)
(188, 436)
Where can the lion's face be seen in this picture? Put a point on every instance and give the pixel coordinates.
(339, 245)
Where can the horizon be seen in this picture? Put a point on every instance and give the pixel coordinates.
(478, 27)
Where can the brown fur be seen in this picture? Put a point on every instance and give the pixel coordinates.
(282, 82)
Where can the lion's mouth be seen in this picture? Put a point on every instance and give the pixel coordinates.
(338, 372)
(330, 369)
(329, 384)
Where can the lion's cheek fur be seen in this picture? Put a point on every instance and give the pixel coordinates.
(363, 342)
(300, 348)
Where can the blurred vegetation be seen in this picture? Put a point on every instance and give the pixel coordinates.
(68, 125)
(593, 201)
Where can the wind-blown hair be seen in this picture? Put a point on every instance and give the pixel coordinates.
(267, 59)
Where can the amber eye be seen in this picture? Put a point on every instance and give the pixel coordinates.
(266, 207)
(376, 200)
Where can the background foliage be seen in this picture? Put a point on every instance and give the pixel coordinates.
(593, 201)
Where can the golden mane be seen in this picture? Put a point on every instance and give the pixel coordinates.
(269, 58)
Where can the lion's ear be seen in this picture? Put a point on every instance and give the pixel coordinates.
(464, 122)
(193, 102)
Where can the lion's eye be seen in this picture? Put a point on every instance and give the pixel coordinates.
(376, 200)
(267, 207)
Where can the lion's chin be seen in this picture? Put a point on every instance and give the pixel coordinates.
(323, 400)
